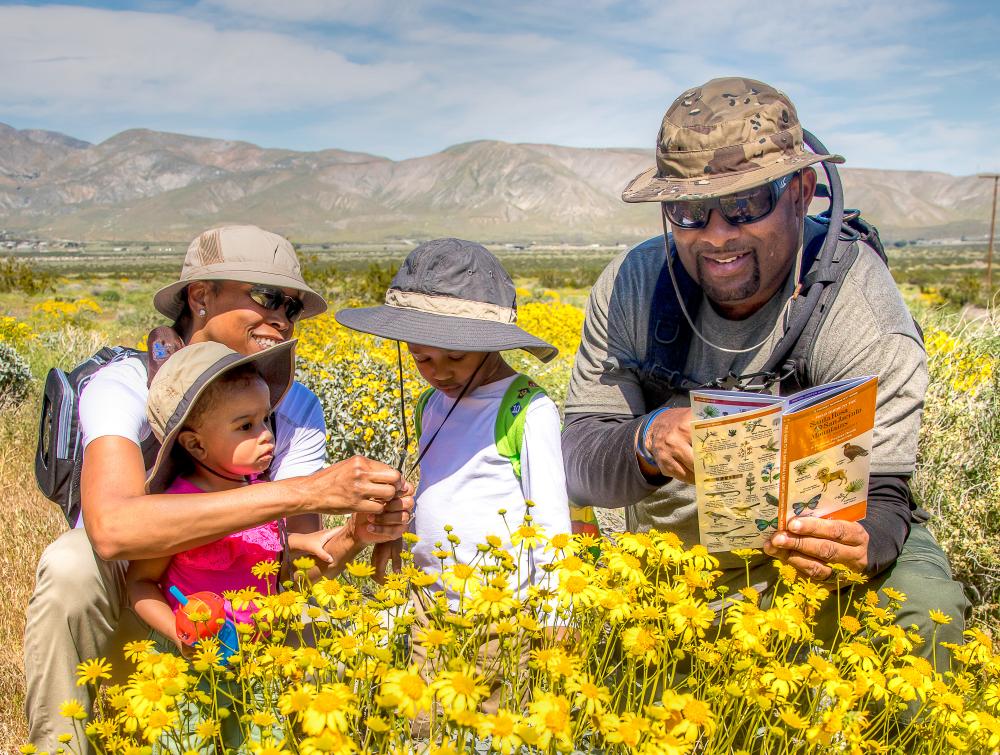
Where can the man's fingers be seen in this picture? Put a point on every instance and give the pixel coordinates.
(847, 533)
(817, 571)
(817, 548)
(669, 440)
(680, 469)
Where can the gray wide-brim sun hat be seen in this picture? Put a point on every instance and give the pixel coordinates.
(449, 294)
(185, 376)
(243, 253)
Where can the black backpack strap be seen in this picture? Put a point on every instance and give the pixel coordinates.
(822, 284)
(661, 371)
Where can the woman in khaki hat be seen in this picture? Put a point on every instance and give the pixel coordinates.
(240, 286)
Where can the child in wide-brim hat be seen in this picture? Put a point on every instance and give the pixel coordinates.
(454, 306)
(211, 409)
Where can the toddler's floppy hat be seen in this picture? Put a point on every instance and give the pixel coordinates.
(449, 294)
(182, 380)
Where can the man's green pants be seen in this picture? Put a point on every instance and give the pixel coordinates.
(922, 573)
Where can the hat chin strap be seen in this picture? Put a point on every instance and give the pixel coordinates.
(465, 387)
(222, 475)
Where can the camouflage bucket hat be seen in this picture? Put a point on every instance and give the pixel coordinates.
(243, 253)
(726, 136)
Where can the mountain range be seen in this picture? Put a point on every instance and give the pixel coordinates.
(144, 185)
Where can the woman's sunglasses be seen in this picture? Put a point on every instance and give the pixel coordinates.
(742, 207)
(273, 299)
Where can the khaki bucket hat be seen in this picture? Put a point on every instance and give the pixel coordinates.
(185, 376)
(726, 136)
(242, 253)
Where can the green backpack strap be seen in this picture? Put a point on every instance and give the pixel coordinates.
(418, 410)
(509, 433)
(511, 416)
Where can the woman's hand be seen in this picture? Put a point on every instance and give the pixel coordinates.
(353, 485)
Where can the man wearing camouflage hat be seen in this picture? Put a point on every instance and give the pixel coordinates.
(711, 300)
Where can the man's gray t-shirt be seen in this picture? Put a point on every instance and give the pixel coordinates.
(868, 331)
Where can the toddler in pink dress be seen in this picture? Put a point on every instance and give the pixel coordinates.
(210, 408)
(224, 565)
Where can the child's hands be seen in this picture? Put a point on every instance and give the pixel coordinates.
(383, 554)
(186, 651)
(311, 544)
(384, 527)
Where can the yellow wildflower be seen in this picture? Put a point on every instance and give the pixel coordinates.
(460, 689)
(72, 709)
(406, 691)
(331, 708)
(93, 670)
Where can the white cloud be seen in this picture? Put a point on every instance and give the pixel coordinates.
(958, 148)
(353, 12)
(869, 77)
(88, 61)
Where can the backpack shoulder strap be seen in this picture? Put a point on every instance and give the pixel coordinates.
(669, 332)
(418, 409)
(509, 428)
(825, 279)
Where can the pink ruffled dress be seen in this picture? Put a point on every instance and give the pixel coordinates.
(223, 564)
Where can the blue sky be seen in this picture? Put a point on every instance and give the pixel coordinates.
(908, 84)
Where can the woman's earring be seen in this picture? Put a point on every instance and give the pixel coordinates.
(201, 313)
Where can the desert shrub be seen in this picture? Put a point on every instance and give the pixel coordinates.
(15, 332)
(19, 275)
(56, 314)
(959, 452)
(968, 289)
(15, 377)
(362, 286)
(577, 276)
(355, 377)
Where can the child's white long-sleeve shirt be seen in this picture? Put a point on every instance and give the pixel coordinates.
(464, 481)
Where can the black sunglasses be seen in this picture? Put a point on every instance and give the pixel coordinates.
(742, 207)
(273, 299)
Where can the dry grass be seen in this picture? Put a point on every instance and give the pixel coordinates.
(28, 523)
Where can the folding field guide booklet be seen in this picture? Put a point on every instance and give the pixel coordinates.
(761, 459)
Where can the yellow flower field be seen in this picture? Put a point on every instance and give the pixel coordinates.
(629, 647)
(631, 651)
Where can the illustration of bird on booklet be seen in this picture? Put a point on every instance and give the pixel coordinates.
(760, 459)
